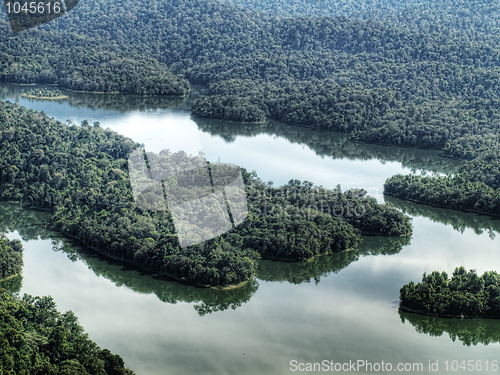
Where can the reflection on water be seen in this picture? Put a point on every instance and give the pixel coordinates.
(30, 226)
(166, 290)
(331, 144)
(322, 266)
(276, 151)
(457, 219)
(106, 101)
(468, 331)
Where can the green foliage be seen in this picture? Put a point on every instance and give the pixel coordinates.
(11, 257)
(228, 108)
(406, 73)
(36, 339)
(422, 84)
(465, 294)
(455, 192)
(44, 93)
(83, 63)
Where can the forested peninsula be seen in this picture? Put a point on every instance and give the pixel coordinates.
(80, 174)
(465, 295)
(37, 339)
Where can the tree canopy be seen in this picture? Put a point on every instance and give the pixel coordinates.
(464, 295)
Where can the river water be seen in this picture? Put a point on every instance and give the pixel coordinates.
(337, 308)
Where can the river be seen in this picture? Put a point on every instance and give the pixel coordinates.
(338, 308)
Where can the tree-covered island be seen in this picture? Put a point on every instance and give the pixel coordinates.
(80, 174)
(45, 94)
(465, 295)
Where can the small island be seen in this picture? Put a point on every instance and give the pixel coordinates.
(465, 295)
(45, 94)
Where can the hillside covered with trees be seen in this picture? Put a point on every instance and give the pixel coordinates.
(80, 174)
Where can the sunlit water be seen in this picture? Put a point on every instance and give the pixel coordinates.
(341, 308)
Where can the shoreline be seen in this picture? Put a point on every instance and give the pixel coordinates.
(60, 97)
(92, 92)
(186, 281)
(446, 316)
(151, 272)
(221, 119)
(288, 260)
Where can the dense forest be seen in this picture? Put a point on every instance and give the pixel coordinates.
(29, 225)
(11, 257)
(464, 295)
(401, 73)
(80, 174)
(37, 339)
(450, 192)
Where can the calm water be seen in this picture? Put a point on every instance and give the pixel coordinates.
(337, 308)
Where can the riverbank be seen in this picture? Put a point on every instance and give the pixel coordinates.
(447, 316)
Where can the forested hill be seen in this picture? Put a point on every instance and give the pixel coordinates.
(466, 19)
(392, 85)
